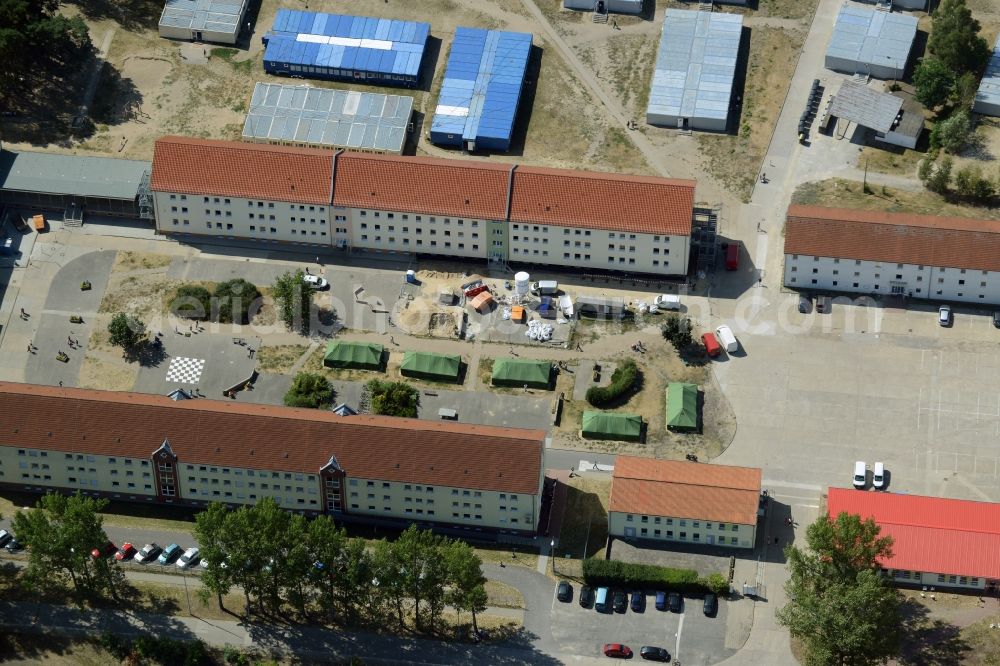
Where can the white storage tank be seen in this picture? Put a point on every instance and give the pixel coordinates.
(522, 283)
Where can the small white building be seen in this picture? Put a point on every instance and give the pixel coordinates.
(988, 95)
(217, 21)
(872, 42)
(674, 501)
(874, 252)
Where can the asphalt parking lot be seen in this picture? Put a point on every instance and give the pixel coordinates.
(689, 636)
(816, 393)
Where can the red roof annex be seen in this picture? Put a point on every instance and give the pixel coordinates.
(930, 534)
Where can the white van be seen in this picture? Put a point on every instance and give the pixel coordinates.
(878, 476)
(860, 474)
(545, 287)
(727, 339)
(668, 302)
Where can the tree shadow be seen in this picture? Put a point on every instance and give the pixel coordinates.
(130, 14)
(928, 641)
(116, 98)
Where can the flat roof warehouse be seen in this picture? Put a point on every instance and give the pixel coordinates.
(303, 115)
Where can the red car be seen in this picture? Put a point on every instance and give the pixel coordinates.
(617, 650)
(126, 552)
(107, 550)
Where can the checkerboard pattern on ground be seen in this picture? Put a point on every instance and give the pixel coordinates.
(185, 370)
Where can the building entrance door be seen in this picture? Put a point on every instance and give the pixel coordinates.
(898, 288)
(629, 532)
(711, 539)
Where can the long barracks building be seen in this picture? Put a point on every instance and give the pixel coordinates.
(146, 448)
(494, 212)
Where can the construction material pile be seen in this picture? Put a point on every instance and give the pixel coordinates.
(539, 331)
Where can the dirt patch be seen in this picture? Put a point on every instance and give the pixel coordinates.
(279, 359)
(103, 374)
(893, 160)
(126, 261)
(843, 193)
(735, 160)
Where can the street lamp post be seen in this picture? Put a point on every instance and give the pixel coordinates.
(552, 554)
(187, 595)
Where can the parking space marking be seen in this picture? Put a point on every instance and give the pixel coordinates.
(677, 644)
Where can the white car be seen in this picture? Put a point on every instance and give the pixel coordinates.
(189, 558)
(878, 476)
(860, 474)
(315, 281)
(147, 553)
(944, 315)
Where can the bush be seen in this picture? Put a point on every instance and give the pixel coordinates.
(717, 584)
(192, 301)
(624, 379)
(309, 390)
(237, 300)
(644, 576)
(394, 398)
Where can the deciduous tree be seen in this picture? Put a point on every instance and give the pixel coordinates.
(841, 608)
(309, 390)
(293, 299)
(126, 331)
(393, 398)
(934, 81)
(955, 38)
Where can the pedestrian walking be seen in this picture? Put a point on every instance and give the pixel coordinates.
(60, 383)
(69, 341)
(30, 348)
(24, 314)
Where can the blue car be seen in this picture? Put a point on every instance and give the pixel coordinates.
(169, 554)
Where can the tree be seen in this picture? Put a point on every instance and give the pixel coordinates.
(984, 189)
(25, 24)
(941, 176)
(964, 92)
(966, 179)
(677, 331)
(953, 132)
(192, 301)
(327, 543)
(126, 331)
(926, 168)
(393, 398)
(210, 530)
(467, 591)
(309, 390)
(236, 301)
(841, 608)
(293, 298)
(955, 38)
(62, 530)
(934, 81)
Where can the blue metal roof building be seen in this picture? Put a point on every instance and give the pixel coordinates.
(481, 90)
(337, 47)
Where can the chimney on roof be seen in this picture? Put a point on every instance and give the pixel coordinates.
(466, 201)
(251, 451)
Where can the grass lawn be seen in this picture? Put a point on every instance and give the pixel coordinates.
(849, 194)
(279, 359)
(585, 521)
(503, 595)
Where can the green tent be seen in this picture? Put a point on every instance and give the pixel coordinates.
(520, 372)
(682, 406)
(612, 425)
(435, 367)
(361, 355)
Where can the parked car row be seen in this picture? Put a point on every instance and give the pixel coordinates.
(172, 554)
(604, 599)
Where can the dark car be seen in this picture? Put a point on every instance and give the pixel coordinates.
(14, 545)
(711, 606)
(654, 653)
(638, 601)
(805, 304)
(586, 596)
(996, 319)
(661, 600)
(564, 592)
(617, 650)
(823, 304)
(621, 601)
(5, 537)
(674, 601)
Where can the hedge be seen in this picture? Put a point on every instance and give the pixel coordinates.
(622, 381)
(598, 572)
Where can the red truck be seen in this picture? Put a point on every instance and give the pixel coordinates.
(732, 256)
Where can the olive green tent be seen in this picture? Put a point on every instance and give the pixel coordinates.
(612, 425)
(435, 367)
(522, 372)
(361, 355)
(682, 406)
